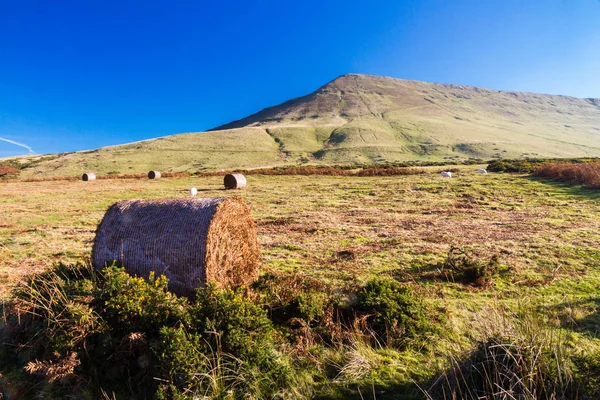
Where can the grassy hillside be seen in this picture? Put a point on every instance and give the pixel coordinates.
(236, 148)
(358, 119)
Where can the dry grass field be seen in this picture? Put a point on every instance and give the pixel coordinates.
(344, 229)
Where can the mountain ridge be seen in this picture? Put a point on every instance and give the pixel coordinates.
(259, 115)
(357, 119)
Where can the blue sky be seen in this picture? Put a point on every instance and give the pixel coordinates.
(82, 74)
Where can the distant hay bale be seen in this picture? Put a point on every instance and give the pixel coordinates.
(191, 241)
(193, 192)
(153, 174)
(88, 176)
(235, 181)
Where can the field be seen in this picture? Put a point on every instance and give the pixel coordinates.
(344, 230)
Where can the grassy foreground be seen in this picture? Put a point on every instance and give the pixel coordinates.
(525, 290)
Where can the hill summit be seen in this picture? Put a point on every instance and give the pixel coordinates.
(379, 116)
(364, 119)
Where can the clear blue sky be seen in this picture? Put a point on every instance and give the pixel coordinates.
(82, 74)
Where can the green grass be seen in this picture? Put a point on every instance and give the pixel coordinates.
(546, 236)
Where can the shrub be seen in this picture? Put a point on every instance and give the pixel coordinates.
(132, 304)
(586, 174)
(380, 309)
(587, 374)
(7, 170)
(303, 305)
(390, 171)
(394, 313)
(529, 165)
(243, 327)
(115, 332)
(515, 166)
(470, 268)
(380, 170)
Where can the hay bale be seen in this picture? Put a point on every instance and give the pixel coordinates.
(192, 241)
(88, 176)
(153, 174)
(235, 181)
(193, 192)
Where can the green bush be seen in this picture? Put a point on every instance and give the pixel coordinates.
(587, 374)
(129, 336)
(381, 309)
(303, 300)
(132, 304)
(394, 313)
(312, 305)
(469, 268)
(514, 166)
(529, 165)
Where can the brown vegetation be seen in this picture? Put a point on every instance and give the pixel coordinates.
(585, 174)
(314, 170)
(109, 176)
(7, 170)
(338, 171)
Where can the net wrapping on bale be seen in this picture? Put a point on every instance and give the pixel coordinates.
(191, 241)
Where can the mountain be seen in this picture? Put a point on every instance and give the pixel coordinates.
(365, 119)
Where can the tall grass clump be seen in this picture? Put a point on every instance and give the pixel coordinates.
(585, 174)
(75, 331)
(521, 355)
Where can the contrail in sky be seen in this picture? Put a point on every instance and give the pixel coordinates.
(18, 144)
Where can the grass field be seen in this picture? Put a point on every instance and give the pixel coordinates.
(342, 230)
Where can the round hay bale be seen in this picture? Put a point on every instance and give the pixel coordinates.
(191, 241)
(153, 174)
(88, 176)
(235, 181)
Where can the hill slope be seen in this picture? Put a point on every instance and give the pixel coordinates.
(363, 119)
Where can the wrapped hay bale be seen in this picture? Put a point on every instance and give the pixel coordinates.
(235, 181)
(191, 241)
(153, 174)
(88, 176)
